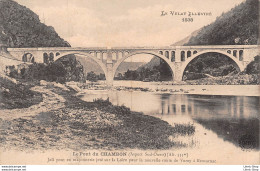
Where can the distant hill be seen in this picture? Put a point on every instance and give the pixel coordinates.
(90, 65)
(155, 61)
(123, 67)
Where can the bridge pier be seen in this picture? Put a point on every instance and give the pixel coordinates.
(109, 76)
(177, 66)
(177, 72)
(109, 64)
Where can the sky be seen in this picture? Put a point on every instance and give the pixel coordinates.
(110, 23)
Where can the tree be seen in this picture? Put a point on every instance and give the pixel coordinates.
(91, 76)
(254, 66)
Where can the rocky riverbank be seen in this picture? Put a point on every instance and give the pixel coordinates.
(172, 88)
(63, 121)
(14, 94)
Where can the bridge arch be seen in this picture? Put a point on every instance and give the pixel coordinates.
(236, 60)
(99, 62)
(28, 57)
(116, 65)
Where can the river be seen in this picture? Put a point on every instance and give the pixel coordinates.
(219, 120)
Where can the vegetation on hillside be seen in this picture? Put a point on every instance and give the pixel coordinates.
(239, 26)
(213, 64)
(254, 66)
(21, 27)
(16, 95)
(62, 70)
(249, 76)
(93, 77)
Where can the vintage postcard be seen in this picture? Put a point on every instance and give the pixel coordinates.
(129, 82)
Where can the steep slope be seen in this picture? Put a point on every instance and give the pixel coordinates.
(21, 27)
(155, 61)
(186, 39)
(240, 25)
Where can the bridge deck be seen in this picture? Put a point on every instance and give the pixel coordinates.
(137, 48)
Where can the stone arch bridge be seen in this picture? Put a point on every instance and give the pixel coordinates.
(109, 59)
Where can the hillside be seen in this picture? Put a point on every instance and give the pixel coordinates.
(21, 27)
(123, 67)
(240, 25)
(186, 39)
(155, 61)
(91, 65)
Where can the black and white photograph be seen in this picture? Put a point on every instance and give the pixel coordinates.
(129, 82)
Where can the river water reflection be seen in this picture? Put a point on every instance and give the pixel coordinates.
(234, 119)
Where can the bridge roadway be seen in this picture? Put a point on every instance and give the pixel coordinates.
(109, 59)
